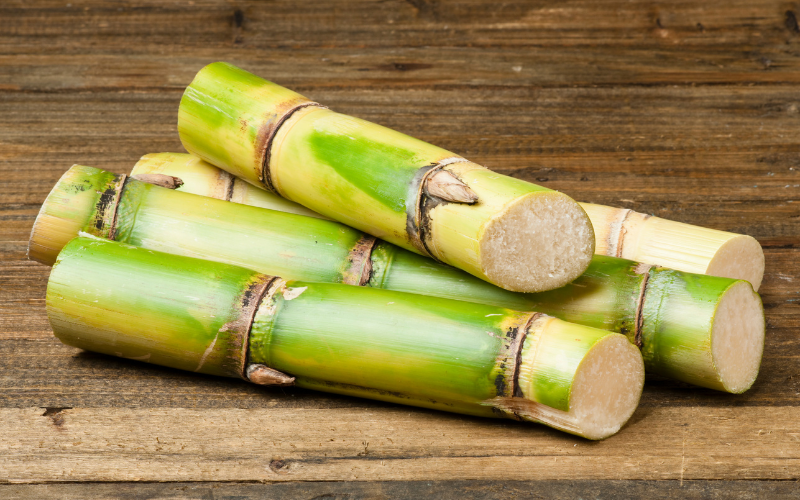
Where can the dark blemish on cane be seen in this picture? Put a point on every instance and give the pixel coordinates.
(500, 384)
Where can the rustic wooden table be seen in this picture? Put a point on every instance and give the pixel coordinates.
(688, 110)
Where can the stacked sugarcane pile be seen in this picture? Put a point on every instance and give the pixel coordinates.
(484, 295)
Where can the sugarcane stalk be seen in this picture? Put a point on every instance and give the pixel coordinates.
(618, 232)
(512, 233)
(273, 137)
(276, 138)
(699, 329)
(219, 319)
(632, 235)
(200, 177)
(594, 298)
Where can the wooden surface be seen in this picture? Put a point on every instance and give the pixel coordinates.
(686, 110)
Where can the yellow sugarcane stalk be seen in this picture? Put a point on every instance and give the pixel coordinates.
(512, 233)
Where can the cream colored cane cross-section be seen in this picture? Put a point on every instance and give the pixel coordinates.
(537, 243)
(603, 376)
(737, 338)
(740, 257)
(607, 387)
(605, 390)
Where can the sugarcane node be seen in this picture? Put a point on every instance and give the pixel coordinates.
(229, 182)
(520, 342)
(71, 206)
(105, 218)
(622, 230)
(617, 235)
(160, 180)
(415, 220)
(264, 375)
(237, 331)
(425, 224)
(443, 184)
(418, 221)
(359, 268)
(644, 271)
(266, 135)
(507, 380)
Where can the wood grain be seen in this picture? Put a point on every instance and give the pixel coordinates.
(686, 110)
(443, 490)
(401, 43)
(386, 444)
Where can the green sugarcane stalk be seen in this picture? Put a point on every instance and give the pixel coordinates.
(366, 176)
(425, 199)
(699, 329)
(604, 297)
(220, 319)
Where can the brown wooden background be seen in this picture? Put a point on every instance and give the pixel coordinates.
(688, 110)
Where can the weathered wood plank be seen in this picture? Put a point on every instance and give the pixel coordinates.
(400, 43)
(386, 444)
(499, 489)
(22, 290)
(392, 23)
(687, 110)
(449, 68)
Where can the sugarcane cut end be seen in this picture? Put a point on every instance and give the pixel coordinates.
(737, 338)
(68, 208)
(607, 387)
(540, 242)
(741, 257)
(579, 379)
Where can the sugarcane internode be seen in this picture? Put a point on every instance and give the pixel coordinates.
(425, 199)
(631, 235)
(219, 319)
(699, 329)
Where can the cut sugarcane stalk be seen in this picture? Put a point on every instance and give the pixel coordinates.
(456, 356)
(700, 329)
(512, 233)
(618, 232)
(631, 235)
(365, 175)
(734, 371)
